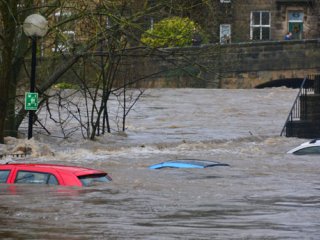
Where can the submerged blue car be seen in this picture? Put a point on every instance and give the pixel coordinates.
(187, 163)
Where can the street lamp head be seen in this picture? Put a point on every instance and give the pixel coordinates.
(35, 25)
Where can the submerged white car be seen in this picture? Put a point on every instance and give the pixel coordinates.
(311, 147)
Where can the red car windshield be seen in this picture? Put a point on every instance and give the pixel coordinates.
(88, 180)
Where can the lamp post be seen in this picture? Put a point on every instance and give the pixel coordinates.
(34, 26)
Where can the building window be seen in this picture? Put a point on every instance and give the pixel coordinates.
(225, 33)
(65, 35)
(64, 41)
(260, 25)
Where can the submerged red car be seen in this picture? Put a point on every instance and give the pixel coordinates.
(51, 174)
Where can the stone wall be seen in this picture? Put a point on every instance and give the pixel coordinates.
(279, 10)
(254, 64)
(243, 65)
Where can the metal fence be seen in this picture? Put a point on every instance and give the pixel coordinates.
(309, 85)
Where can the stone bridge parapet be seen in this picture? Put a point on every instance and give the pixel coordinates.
(237, 65)
(240, 65)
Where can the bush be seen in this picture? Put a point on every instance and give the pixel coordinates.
(64, 85)
(172, 32)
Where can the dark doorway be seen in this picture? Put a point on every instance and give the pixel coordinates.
(287, 82)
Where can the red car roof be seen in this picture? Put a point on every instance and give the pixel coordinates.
(78, 171)
(62, 174)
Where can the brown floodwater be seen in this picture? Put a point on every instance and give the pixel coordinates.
(265, 193)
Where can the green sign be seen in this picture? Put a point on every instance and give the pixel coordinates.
(31, 101)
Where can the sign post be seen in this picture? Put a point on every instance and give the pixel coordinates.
(34, 26)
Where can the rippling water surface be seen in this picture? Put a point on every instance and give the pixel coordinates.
(264, 194)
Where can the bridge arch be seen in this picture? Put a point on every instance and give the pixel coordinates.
(285, 82)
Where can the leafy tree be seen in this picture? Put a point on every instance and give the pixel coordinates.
(171, 32)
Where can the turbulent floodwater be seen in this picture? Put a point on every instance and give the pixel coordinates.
(264, 194)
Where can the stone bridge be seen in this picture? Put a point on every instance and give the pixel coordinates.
(239, 65)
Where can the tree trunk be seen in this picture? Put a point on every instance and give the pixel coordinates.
(18, 61)
(6, 40)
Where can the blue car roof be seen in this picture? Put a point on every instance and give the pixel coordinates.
(187, 163)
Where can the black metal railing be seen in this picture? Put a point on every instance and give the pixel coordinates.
(310, 84)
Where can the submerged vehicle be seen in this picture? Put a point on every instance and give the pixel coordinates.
(311, 147)
(187, 163)
(51, 174)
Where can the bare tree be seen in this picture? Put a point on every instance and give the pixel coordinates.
(103, 35)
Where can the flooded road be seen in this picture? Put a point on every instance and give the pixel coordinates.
(264, 194)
